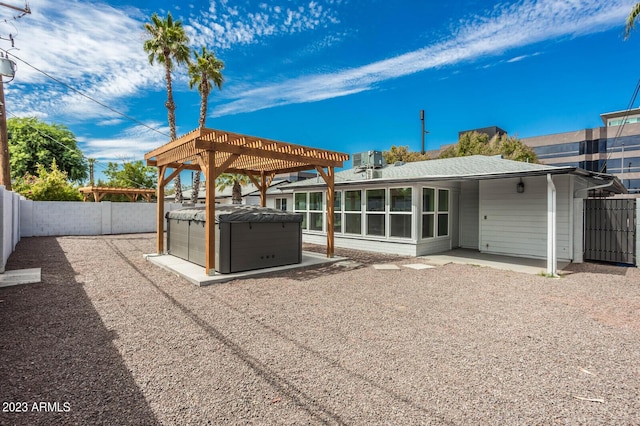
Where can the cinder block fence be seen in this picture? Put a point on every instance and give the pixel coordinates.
(26, 218)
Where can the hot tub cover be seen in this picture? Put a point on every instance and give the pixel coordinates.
(236, 213)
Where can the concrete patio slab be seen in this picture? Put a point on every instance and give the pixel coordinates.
(474, 257)
(195, 273)
(386, 266)
(418, 266)
(20, 276)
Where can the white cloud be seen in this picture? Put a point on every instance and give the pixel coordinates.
(133, 143)
(512, 26)
(223, 26)
(92, 47)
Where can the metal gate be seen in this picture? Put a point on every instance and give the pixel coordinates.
(610, 230)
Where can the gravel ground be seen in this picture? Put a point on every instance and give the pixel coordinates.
(121, 341)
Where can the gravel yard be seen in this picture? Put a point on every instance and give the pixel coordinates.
(121, 341)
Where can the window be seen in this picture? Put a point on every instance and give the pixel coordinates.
(315, 211)
(281, 204)
(300, 206)
(400, 212)
(337, 211)
(443, 212)
(352, 204)
(435, 213)
(375, 212)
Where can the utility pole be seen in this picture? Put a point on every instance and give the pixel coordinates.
(5, 176)
(7, 69)
(424, 132)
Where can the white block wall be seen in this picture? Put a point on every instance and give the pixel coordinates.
(9, 224)
(49, 218)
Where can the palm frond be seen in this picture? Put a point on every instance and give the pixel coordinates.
(631, 20)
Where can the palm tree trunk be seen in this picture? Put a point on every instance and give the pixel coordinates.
(171, 113)
(203, 106)
(196, 187)
(236, 196)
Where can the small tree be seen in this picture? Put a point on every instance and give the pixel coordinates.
(47, 185)
(475, 143)
(33, 142)
(402, 153)
(133, 174)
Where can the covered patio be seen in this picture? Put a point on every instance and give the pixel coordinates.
(216, 151)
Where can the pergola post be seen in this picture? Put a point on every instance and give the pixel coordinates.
(263, 189)
(210, 215)
(160, 211)
(329, 179)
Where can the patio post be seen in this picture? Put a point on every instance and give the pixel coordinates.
(552, 261)
(160, 211)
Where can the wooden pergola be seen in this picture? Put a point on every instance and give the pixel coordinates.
(132, 194)
(217, 151)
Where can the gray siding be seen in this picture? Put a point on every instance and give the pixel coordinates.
(516, 224)
(469, 215)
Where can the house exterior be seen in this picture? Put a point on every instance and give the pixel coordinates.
(484, 203)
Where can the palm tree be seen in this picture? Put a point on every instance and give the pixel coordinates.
(631, 20)
(167, 43)
(204, 72)
(235, 180)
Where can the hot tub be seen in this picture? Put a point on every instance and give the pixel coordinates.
(246, 237)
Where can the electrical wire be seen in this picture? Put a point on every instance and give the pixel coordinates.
(138, 185)
(128, 117)
(632, 102)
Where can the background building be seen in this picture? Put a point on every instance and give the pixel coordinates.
(613, 148)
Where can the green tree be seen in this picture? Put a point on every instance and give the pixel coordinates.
(33, 142)
(402, 153)
(205, 72)
(236, 181)
(631, 20)
(133, 174)
(47, 185)
(167, 43)
(475, 143)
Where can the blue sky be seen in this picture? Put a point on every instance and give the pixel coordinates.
(345, 75)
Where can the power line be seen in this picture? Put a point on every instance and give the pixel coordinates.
(72, 150)
(128, 117)
(632, 101)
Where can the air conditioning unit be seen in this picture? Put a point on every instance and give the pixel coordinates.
(368, 159)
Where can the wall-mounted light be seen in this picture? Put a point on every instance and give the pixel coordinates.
(520, 186)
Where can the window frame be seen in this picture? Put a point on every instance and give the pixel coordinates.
(351, 213)
(369, 214)
(395, 213)
(436, 213)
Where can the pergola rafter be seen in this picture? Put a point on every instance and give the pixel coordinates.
(215, 152)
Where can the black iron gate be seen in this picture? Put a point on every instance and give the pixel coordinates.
(610, 230)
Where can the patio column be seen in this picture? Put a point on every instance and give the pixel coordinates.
(552, 261)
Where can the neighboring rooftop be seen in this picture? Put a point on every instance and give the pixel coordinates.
(619, 117)
(472, 167)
